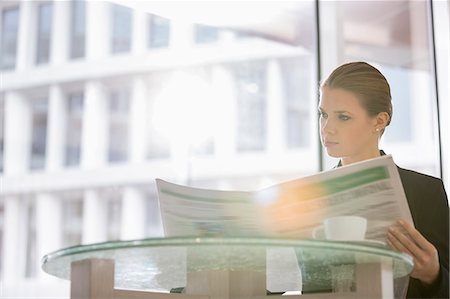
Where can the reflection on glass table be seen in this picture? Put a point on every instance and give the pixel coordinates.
(209, 267)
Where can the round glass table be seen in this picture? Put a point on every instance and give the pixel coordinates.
(211, 267)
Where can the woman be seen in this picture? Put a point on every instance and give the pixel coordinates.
(355, 108)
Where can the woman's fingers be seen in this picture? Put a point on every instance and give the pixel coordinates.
(414, 234)
(405, 238)
(395, 242)
(401, 241)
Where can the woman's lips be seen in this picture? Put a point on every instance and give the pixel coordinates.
(329, 143)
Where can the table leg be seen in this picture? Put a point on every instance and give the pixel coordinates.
(226, 284)
(92, 279)
(374, 280)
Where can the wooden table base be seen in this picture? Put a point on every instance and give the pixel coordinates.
(94, 279)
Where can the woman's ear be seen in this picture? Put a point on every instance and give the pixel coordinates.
(382, 120)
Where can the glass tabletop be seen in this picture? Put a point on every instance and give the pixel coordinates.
(162, 264)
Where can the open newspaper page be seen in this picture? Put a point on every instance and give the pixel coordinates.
(187, 211)
(371, 189)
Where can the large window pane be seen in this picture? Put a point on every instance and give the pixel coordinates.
(44, 32)
(395, 37)
(122, 18)
(8, 39)
(39, 133)
(78, 29)
(264, 87)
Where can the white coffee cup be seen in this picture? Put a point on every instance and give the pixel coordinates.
(342, 228)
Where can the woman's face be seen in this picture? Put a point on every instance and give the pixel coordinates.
(346, 130)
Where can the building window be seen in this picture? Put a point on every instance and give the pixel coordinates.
(78, 29)
(44, 32)
(297, 79)
(159, 32)
(121, 28)
(251, 95)
(118, 125)
(9, 33)
(31, 250)
(72, 220)
(205, 34)
(2, 132)
(2, 225)
(114, 214)
(39, 133)
(74, 125)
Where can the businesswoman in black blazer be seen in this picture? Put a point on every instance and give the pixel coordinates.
(355, 108)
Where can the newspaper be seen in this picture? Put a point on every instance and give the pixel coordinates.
(371, 189)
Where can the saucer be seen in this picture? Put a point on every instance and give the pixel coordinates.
(376, 243)
(367, 242)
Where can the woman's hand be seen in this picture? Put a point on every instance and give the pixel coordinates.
(405, 238)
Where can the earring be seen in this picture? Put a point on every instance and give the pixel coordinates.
(377, 129)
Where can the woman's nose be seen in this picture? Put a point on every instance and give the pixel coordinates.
(328, 127)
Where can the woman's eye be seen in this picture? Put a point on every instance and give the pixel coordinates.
(344, 117)
(323, 114)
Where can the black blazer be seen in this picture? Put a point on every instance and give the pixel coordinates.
(430, 212)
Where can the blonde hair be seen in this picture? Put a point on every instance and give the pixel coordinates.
(365, 81)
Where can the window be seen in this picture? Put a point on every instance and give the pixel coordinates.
(44, 31)
(39, 133)
(399, 44)
(78, 29)
(31, 261)
(159, 32)
(118, 125)
(74, 128)
(2, 132)
(2, 229)
(205, 34)
(9, 34)
(121, 28)
(251, 102)
(72, 220)
(113, 214)
(297, 82)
